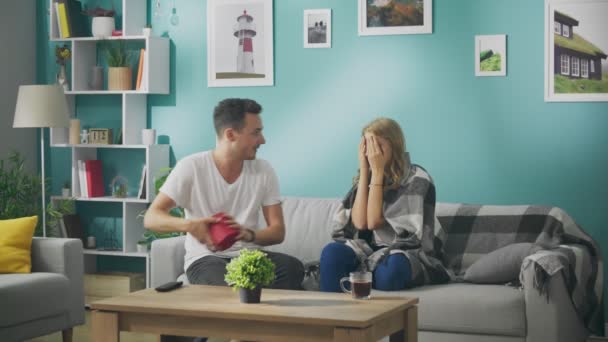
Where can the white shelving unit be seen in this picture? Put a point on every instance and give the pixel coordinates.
(133, 119)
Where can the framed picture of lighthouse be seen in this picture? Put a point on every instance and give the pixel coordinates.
(576, 50)
(317, 28)
(382, 17)
(239, 43)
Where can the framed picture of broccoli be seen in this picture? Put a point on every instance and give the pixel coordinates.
(576, 50)
(491, 55)
(382, 17)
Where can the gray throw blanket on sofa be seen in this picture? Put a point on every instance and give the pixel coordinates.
(475, 230)
(409, 214)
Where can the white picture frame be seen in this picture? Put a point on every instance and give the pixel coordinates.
(491, 55)
(317, 28)
(576, 51)
(245, 60)
(372, 20)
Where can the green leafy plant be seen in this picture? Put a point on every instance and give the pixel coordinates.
(66, 184)
(116, 53)
(19, 190)
(251, 269)
(55, 212)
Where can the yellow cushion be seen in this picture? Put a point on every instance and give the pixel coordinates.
(16, 244)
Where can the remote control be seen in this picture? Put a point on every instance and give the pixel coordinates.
(169, 286)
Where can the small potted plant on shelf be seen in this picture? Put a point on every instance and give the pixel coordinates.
(147, 30)
(65, 191)
(248, 272)
(103, 22)
(142, 246)
(62, 55)
(119, 67)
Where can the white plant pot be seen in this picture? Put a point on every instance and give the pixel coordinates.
(65, 192)
(142, 248)
(148, 136)
(102, 26)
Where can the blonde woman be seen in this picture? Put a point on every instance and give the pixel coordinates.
(387, 221)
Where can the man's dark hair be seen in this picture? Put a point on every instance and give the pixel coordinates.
(230, 113)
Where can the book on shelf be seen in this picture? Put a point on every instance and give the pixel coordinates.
(142, 184)
(140, 68)
(94, 178)
(63, 19)
(83, 179)
(73, 226)
(77, 20)
(144, 74)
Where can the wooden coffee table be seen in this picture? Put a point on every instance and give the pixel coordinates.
(283, 315)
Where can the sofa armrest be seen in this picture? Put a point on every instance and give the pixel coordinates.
(63, 256)
(167, 261)
(553, 318)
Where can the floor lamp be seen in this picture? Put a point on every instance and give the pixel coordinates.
(41, 106)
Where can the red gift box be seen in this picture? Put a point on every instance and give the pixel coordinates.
(222, 235)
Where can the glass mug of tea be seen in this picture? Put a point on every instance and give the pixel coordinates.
(360, 284)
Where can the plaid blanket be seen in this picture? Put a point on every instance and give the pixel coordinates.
(472, 231)
(409, 228)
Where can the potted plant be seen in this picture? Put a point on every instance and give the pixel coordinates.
(62, 55)
(119, 68)
(103, 22)
(65, 191)
(142, 246)
(147, 30)
(248, 272)
(19, 190)
(55, 211)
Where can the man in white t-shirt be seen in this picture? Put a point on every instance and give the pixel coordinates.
(230, 180)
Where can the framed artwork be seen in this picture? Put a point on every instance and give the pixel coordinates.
(576, 50)
(491, 55)
(317, 28)
(382, 17)
(239, 43)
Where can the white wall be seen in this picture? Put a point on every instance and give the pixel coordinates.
(17, 66)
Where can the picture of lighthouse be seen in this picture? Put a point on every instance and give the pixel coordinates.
(244, 31)
(239, 43)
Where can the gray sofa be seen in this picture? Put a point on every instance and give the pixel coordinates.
(49, 299)
(452, 312)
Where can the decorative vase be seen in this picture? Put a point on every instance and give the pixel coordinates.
(96, 78)
(62, 78)
(119, 78)
(102, 26)
(250, 296)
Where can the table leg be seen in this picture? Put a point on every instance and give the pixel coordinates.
(410, 333)
(352, 335)
(104, 326)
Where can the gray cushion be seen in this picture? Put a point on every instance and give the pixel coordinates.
(30, 296)
(500, 266)
(468, 308)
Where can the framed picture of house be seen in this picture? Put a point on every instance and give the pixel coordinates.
(576, 50)
(491, 55)
(240, 43)
(317, 28)
(382, 17)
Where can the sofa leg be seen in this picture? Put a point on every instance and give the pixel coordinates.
(67, 335)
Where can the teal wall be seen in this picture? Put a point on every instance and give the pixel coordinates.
(484, 140)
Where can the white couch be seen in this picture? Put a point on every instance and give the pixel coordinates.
(447, 313)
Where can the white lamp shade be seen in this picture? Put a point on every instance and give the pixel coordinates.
(41, 106)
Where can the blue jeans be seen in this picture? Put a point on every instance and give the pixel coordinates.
(393, 273)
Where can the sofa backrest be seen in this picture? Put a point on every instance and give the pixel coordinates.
(307, 225)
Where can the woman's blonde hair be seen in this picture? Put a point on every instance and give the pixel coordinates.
(390, 130)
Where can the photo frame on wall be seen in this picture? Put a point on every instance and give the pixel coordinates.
(387, 17)
(491, 55)
(240, 43)
(317, 28)
(576, 51)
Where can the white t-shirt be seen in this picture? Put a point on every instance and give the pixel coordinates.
(196, 185)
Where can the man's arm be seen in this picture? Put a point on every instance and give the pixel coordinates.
(158, 219)
(271, 235)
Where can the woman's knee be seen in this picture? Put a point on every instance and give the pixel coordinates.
(393, 273)
(337, 253)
